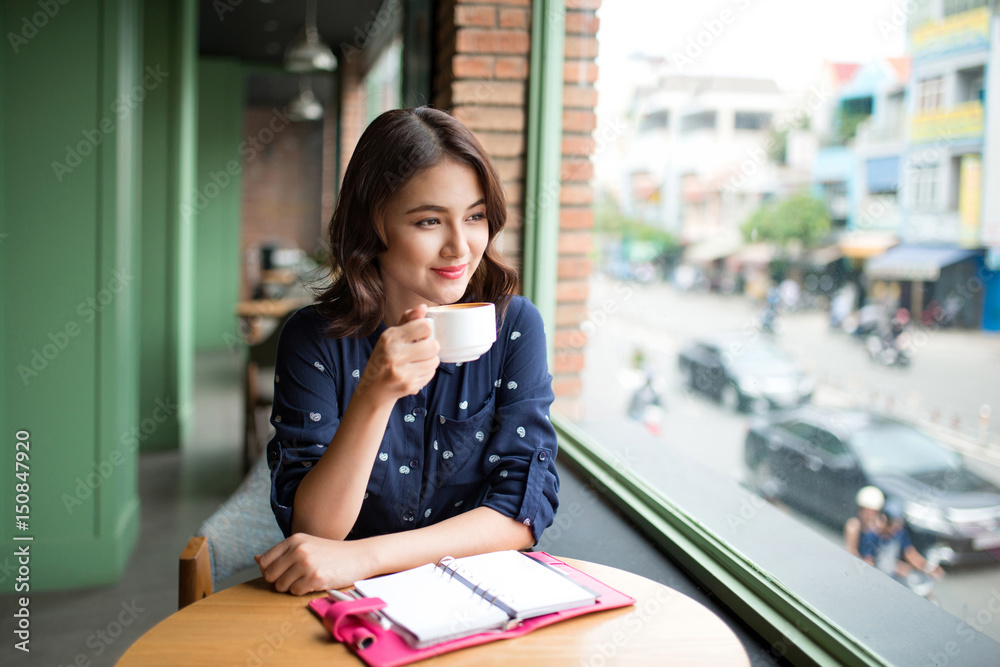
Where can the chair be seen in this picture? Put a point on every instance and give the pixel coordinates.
(260, 361)
(227, 541)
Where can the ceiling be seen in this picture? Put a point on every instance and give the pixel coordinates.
(259, 30)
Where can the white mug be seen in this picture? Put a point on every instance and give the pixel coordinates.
(463, 330)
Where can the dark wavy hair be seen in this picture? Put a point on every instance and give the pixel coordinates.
(396, 146)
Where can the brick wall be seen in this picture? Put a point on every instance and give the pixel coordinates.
(481, 76)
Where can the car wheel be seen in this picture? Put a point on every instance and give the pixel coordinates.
(764, 482)
(730, 397)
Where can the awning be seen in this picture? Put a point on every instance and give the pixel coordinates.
(913, 262)
(714, 248)
(861, 245)
(824, 256)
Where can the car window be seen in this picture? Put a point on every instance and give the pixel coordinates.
(827, 442)
(801, 430)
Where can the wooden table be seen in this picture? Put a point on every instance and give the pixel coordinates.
(251, 624)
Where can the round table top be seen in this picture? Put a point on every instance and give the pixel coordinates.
(251, 624)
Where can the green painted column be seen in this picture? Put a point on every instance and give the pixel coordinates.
(69, 343)
(216, 206)
(169, 128)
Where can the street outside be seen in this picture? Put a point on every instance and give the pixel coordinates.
(953, 374)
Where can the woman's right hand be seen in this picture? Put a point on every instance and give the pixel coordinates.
(404, 359)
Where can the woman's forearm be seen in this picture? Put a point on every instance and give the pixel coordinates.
(329, 497)
(477, 531)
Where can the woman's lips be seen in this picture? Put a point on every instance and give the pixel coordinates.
(451, 272)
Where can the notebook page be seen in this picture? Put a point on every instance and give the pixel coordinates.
(431, 606)
(522, 584)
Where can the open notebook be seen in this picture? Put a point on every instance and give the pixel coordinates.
(465, 596)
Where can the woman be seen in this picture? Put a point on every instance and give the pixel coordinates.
(384, 458)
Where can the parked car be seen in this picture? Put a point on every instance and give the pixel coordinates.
(745, 373)
(816, 459)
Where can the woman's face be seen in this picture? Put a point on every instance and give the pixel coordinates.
(436, 232)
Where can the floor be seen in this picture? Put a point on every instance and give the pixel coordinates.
(179, 490)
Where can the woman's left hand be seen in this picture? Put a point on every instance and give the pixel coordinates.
(304, 563)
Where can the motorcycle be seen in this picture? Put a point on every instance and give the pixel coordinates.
(889, 351)
(646, 406)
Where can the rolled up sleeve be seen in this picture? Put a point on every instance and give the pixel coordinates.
(520, 462)
(306, 412)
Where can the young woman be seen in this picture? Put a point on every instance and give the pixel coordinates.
(384, 457)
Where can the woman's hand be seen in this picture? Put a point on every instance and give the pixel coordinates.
(303, 563)
(404, 359)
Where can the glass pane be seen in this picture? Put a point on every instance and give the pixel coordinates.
(784, 183)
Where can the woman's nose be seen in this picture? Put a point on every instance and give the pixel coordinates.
(456, 245)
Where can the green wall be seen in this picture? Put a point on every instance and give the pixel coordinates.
(68, 266)
(98, 129)
(169, 127)
(217, 201)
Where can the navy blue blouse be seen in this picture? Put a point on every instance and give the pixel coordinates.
(477, 435)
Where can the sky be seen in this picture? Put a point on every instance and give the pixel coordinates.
(786, 40)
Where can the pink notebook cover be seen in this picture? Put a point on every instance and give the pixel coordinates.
(385, 648)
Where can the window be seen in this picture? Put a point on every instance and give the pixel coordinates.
(952, 7)
(712, 272)
(752, 120)
(925, 188)
(970, 84)
(655, 120)
(930, 95)
(704, 120)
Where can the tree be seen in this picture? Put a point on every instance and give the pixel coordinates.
(800, 217)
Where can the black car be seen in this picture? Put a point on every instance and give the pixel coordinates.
(816, 459)
(745, 373)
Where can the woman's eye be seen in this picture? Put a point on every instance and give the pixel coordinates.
(475, 217)
(427, 222)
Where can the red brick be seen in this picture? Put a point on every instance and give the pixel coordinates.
(579, 96)
(578, 47)
(581, 23)
(572, 291)
(572, 339)
(568, 362)
(472, 67)
(579, 121)
(487, 92)
(515, 191)
(588, 5)
(573, 267)
(510, 169)
(476, 15)
(576, 218)
(570, 315)
(491, 118)
(515, 18)
(578, 145)
(575, 243)
(502, 144)
(576, 194)
(579, 72)
(476, 40)
(576, 169)
(512, 67)
(567, 385)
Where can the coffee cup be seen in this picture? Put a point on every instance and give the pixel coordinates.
(463, 330)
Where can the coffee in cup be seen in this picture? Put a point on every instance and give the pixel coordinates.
(463, 330)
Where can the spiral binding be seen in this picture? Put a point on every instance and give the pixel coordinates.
(490, 595)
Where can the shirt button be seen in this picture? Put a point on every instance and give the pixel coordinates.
(542, 456)
(416, 412)
(408, 515)
(414, 463)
